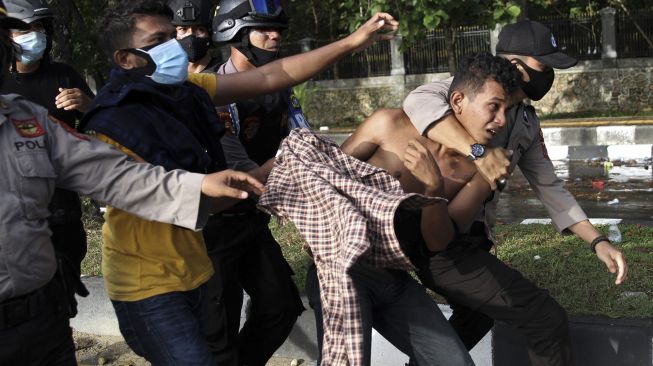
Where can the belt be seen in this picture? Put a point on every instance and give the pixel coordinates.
(19, 310)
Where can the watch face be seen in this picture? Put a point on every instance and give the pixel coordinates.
(478, 150)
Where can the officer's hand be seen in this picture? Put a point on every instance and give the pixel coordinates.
(72, 99)
(613, 259)
(493, 166)
(382, 26)
(228, 187)
(419, 160)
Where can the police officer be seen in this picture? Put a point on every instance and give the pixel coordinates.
(534, 50)
(242, 248)
(39, 154)
(192, 20)
(60, 89)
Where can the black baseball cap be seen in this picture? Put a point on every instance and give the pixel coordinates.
(8, 22)
(530, 38)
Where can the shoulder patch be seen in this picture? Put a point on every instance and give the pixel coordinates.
(69, 129)
(29, 128)
(545, 152)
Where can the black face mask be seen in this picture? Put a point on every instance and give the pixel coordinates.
(195, 47)
(540, 82)
(258, 56)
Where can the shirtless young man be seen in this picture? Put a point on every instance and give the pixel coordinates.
(473, 281)
(390, 300)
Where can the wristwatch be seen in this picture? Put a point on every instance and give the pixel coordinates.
(477, 152)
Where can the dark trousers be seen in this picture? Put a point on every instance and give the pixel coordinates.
(69, 240)
(246, 256)
(481, 289)
(399, 308)
(167, 329)
(44, 338)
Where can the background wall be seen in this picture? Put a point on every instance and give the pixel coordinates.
(621, 85)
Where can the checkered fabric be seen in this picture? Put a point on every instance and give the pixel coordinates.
(344, 209)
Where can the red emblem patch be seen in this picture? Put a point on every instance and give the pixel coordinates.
(29, 128)
(70, 130)
(545, 152)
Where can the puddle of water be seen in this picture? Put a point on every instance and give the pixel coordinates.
(632, 186)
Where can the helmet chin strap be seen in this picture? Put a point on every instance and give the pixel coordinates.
(256, 56)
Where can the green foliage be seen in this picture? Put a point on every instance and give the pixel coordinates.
(75, 37)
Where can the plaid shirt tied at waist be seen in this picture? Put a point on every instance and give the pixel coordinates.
(344, 209)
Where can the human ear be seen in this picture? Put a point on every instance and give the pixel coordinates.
(122, 59)
(456, 101)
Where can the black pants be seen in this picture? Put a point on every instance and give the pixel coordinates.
(482, 289)
(69, 240)
(45, 338)
(246, 256)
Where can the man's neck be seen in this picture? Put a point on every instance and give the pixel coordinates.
(240, 61)
(199, 66)
(27, 68)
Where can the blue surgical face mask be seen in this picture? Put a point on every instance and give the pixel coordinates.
(171, 62)
(32, 45)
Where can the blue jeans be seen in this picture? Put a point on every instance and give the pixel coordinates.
(167, 329)
(399, 308)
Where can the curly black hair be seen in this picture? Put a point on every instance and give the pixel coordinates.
(117, 23)
(474, 70)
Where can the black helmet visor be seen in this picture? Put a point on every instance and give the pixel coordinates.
(265, 8)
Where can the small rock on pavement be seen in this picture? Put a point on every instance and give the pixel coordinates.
(296, 362)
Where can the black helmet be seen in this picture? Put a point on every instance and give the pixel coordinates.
(191, 12)
(235, 15)
(28, 10)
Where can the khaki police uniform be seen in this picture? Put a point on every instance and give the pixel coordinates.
(428, 104)
(39, 155)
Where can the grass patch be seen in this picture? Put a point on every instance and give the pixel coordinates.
(91, 265)
(567, 268)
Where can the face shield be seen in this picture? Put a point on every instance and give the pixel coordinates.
(265, 8)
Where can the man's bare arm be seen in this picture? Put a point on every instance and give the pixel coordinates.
(466, 203)
(362, 144)
(293, 70)
(435, 225)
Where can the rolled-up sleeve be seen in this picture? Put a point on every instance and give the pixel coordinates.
(427, 104)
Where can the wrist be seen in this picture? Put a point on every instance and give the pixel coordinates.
(433, 191)
(597, 240)
(477, 151)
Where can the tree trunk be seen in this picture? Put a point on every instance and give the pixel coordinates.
(450, 44)
(523, 5)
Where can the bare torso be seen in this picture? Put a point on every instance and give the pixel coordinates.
(455, 168)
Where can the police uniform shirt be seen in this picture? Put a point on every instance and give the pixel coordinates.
(39, 154)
